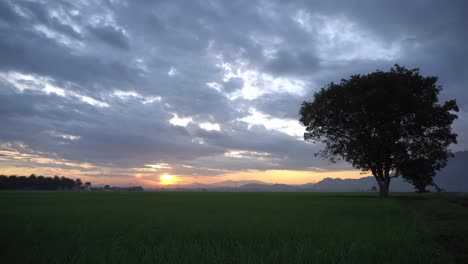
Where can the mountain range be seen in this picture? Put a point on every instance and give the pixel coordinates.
(452, 178)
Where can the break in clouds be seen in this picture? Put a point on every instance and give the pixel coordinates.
(117, 88)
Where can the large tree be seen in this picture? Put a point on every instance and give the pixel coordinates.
(386, 123)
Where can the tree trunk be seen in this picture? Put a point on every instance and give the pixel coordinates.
(384, 187)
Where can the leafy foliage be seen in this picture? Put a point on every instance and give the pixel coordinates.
(383, 122)
(420, 172)
(34, 182)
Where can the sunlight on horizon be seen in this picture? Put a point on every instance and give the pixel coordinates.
(167, 179)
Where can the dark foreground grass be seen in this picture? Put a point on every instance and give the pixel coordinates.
(150, 227)
(447, 217)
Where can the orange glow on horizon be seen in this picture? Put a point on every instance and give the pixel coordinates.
(153, 175)
(167, 180)
(291, 177)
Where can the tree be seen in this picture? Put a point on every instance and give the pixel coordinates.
(384, 123)
(419, 172)
(78, 183)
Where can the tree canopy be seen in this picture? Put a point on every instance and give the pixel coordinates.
(386, 122)
(34, 182)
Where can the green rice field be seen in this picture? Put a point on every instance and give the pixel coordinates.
(210, 227)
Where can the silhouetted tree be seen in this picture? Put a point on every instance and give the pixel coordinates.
(68, 184)
(78, 183)
(383, 122)
(419, 172)
(34, 182)
(56, 183)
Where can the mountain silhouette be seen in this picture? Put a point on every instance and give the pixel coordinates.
(452, 178)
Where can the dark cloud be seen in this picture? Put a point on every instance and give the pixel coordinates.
(37, 13)
(286, 62)
(7, 13)
(32, 52)
(282, 105)
(112, 36)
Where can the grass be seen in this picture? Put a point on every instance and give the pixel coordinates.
(151, 227)
(447, 217)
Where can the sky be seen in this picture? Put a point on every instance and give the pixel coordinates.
(158, 93)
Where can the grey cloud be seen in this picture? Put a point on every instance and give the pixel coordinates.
(283, 151)
(126, 135)
(112, 36)
(31, 52)
(37, 10)
(233, 84)
(285, 62)
(7, 13)
(193, 37)
(282, 105)
(40, 14)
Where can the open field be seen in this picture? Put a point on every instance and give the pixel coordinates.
(170, 227)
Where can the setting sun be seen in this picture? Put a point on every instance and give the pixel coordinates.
(167, 179)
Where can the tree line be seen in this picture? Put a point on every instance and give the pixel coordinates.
(34, 182)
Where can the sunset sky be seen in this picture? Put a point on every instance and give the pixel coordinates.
(159, 93)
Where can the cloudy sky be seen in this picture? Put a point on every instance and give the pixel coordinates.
(123, 92)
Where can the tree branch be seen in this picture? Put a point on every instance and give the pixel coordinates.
(396, 175)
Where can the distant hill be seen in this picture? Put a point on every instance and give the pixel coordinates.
(361, 184)
(223, 184)
(269, 187)
(237, 183)
(452, 178)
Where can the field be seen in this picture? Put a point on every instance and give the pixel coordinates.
(179, 227)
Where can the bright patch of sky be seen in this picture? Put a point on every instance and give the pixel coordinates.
(172, 71)
(340, 39)
(287, 126)
(23, 82)
(20, 152)
(127, 95)
(64, 136)
(258, 83)
(210, 126)
(246, 154)
(180, 121)
(158, 166)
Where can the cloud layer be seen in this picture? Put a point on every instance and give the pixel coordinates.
(119, 88)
